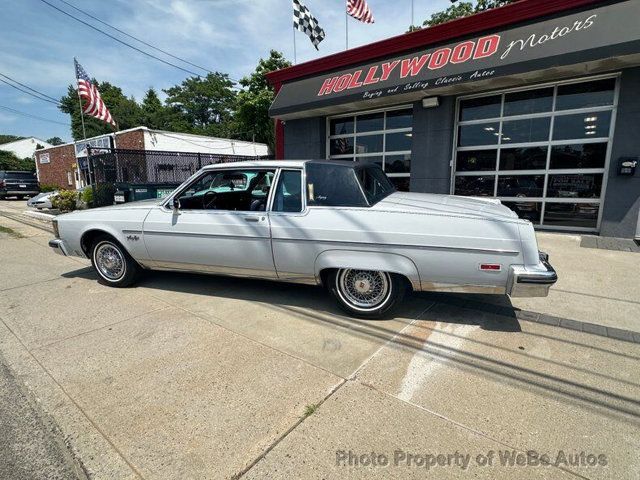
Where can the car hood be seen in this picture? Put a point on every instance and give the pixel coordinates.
(146, 204)
(446, 204)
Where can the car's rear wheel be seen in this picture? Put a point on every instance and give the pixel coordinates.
(113, 264)
(366, 293)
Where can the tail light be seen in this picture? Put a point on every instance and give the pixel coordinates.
(490, 267)
(54, 223)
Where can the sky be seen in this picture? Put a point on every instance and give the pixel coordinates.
(38, 43)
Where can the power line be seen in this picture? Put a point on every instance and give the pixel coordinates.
(120, 41)
(25, 114)
(29, 88)
(29, 93)
(135, 38)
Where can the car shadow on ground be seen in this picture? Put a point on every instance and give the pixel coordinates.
(317, 299)
(440, 310)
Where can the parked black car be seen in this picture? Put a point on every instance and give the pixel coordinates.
(18, 184)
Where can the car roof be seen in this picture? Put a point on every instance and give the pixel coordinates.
(276, 164)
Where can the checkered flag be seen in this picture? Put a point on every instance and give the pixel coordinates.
(307, 23)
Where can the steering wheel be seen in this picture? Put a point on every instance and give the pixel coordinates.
(209, 200)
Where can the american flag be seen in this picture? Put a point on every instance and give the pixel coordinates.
(359, 10)
(94, 105)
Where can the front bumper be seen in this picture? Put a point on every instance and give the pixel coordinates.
(532, 281)
(59, 247)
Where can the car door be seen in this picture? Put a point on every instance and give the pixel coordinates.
(220, 227)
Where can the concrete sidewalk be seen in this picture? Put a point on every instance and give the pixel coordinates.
(188, 376)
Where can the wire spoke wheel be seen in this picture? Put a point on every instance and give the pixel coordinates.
(364, 289)
(110, 261)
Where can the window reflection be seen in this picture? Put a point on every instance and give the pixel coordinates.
(581, 125)
(587, 94)
(587, 155)
(520, 185)
(341, 146)
(482, 134)
(581, 185)
(523, 131)
(475, 186)
(526, 210)
(582, 215)
(483, 107)
(528, 158)
(530, 101)
(476, 160)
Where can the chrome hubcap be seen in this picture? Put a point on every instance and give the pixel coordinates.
(109, 261)
(364, 289)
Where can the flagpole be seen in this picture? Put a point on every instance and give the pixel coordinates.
(84, 131)
(412, 16)
(295, 56)
(346, 28)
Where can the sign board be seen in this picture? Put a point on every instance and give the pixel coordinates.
(98, 145)
(44, 158)
(592, 34)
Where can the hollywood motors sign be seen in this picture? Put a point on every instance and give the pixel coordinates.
(466, 52)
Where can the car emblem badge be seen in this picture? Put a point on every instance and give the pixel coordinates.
(135, 238)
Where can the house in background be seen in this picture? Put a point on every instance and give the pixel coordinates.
(26, 147)
(66, 165)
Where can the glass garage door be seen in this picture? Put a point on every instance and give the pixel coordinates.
(542, 151)
(383, 137)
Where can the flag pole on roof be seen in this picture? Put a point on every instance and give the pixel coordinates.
(307, 23)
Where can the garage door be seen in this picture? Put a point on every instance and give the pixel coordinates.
(543, 151)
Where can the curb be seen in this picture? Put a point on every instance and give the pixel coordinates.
(566, 323)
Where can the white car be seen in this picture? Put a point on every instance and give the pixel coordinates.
(42, 200)
(338, 224)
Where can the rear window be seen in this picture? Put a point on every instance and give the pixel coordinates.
(20, 175)
(333, 185)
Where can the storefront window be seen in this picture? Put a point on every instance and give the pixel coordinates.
(383, 137)
(548, 163)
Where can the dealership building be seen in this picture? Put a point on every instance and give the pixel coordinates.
(536, 103)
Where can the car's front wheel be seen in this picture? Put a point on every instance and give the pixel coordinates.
(112, 262)
(366, 293)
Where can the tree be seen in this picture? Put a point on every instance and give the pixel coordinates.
(251, 119)
(153, 112)
(8, 161)
(462, 9)
(203, 105)
(9, 138)
(125, 111)
(55, 141)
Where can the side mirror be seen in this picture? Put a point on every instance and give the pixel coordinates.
(176, 204)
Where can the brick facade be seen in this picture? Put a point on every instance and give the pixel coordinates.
(132, 140)
(62, 160)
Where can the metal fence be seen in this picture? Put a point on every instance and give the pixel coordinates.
(113, 169)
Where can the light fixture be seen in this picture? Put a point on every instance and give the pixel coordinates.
(496, 134)
(590, 119)
(591, 132)
(506, 138)
(430, 102)
(489, 129)
(590, 127)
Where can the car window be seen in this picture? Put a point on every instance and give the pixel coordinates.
(288, 197)
(375, 183)
(333, 185)
(233, 190)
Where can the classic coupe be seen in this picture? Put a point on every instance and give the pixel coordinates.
(338, 224)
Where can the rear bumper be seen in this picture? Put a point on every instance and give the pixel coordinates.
(59, 247)
(20, 192)
(532, 281)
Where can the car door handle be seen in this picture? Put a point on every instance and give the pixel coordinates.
(251, 219)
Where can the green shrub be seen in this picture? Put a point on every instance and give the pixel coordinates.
(87, 196)
(65, 200)
(48, 187)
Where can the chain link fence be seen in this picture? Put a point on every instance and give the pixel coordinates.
(142, 174)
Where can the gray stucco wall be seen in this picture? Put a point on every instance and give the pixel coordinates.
(305, 139)
(432, 145)
(622, 198)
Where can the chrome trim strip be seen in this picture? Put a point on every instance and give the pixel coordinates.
(132, 232)
(205, 235)
(395, 245)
